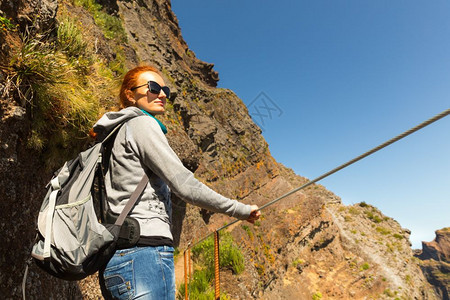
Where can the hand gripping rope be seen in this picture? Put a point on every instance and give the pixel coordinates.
(381, 146)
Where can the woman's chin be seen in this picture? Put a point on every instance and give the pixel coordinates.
(158, 112)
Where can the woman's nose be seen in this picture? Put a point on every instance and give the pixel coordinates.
(162, 94)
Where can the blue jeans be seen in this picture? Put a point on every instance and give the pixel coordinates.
(145, 273)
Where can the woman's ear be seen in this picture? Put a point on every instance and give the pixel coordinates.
(130, 97)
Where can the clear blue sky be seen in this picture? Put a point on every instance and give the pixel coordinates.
(341, 78)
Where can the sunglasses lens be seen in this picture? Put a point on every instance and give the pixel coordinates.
(155, 88)
(166, 91)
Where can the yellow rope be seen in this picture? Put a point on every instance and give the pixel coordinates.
(216, 266)
(186, 295)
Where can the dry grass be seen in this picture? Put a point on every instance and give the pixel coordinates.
(63, 85)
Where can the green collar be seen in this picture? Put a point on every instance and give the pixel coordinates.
(163, 128)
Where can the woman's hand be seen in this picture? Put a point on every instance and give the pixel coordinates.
(254, 215)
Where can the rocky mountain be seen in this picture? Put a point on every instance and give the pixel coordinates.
(60, 63)
(435, 262)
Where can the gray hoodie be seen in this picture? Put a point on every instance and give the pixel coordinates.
(141, 146)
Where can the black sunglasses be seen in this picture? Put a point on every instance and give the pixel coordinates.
(154, 88)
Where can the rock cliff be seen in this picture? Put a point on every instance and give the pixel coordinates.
(307, 246)
(435, 262)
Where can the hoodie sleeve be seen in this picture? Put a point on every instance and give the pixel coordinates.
(150, 144)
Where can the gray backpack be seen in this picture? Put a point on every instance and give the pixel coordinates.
(71, 242)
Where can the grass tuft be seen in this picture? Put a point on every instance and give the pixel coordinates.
(61, 82)
(111, 26)
(203, 255)
(6, 24)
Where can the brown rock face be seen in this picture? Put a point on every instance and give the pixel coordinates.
(39, 13)
(439, 248)
(435, 262)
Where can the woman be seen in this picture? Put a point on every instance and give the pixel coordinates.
(146, 271)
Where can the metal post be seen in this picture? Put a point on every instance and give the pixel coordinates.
(216, 266)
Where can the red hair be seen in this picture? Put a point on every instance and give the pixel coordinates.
(130, 80)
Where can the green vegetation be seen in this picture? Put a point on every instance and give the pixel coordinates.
(268, 254)
(6, 25)
(70, 40)
(45, 78)
(374, 218)
(317, 296)
(190, 53)
(176, 253)
(297, 262)
(390, 293)
(198, 288)
(398, 236)
(408, 278)
(61, 82)
(201, 287)
(383, 231)
(167, 74)
(353, 210)
(365, 266)
(394, 246)
(112, 29)
(230, 255)
(249, 232)
(111, 26)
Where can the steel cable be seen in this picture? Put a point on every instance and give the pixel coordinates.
(385, 144)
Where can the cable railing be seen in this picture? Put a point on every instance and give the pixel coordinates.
(187, 253)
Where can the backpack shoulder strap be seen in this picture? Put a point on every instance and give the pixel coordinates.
(134, 196)
(140, 187)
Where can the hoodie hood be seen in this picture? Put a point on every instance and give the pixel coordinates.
(111, 119)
